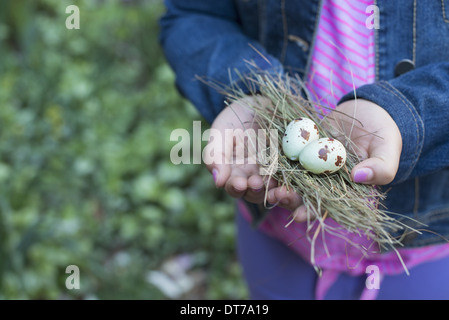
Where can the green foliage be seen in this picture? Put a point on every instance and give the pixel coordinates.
(85, 172)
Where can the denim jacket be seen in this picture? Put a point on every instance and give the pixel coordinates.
(210, 38)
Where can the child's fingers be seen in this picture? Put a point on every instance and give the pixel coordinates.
(284, 198)
(255, 183)
(217, 156)
(243, 179)
(270, 183)
(300, 214)
(220, 173)
(255, 196)
(256, 189)
(236, 186)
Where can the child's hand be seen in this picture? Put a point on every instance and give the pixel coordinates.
(379, 143)
(239, 180)
(378, 138)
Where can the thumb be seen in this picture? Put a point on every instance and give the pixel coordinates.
(375, 171)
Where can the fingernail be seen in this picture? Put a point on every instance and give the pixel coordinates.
(363, 175)
(257, 190)
(215, 174)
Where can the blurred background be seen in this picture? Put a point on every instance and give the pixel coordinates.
(85, 171)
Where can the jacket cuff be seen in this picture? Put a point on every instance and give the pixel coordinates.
(406, 117)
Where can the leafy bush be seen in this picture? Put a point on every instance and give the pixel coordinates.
(85, 173)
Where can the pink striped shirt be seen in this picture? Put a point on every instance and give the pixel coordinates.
(343, 59)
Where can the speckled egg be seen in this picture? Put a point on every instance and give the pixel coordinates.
(297, 135)
(325, 155)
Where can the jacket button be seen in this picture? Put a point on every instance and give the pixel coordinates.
(403, 66)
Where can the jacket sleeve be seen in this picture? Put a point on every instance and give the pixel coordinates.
(418, 101)
(204, 39)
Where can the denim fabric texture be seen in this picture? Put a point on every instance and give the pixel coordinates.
(213, 39)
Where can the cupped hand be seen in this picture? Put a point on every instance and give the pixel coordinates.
(230, 154)
(376, 140)
(376, 137)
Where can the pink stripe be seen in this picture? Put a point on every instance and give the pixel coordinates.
(355, 9)
(345, 32)
(328, 83)
(359, 12)
(324, 93)
(349, 49)
(346, 24)
(346, 36)
(340, 10)
(325, 84)
(356, 73)
(344, 59)
(349, 84)
(369, 2)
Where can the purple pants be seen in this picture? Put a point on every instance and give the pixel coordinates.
(274, 272)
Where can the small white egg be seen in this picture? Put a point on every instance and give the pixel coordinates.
(297, 135)
(325, 155)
